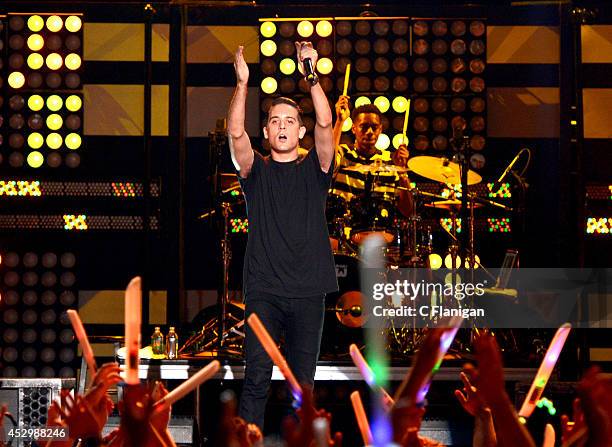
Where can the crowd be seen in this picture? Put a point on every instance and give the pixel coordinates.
(483, 396)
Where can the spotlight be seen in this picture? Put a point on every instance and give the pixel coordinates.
(73, 61)
(35, 61)
(398, 140)
(267, 29)
(448, 262)
(54, 121)
(362, 100)
(268, 48)
(324, 28)
(287, 66)
(35, 159)
(73, 103)
(382, 102)
(54, 61)
(325, 65)
(383, 142)
(435, 261)
(35, 23)
(73, 24)
(54, 140)
(54, 103)
(305, 28)
(269, 85)
(399, 104)
(35, 42)
(35, 140)
(36, 102)
(54, 23)
(16, 80)
(73, 141)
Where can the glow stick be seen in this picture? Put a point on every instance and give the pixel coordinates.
(546, 368)
(549, 436)
(270, 346)
(133, 316)
(362, 420)
(406, 122)
(368, 375)
(188, 386)
(81, 335)
(346, 79)
(320, 428)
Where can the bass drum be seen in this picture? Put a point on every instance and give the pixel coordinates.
(343, 311)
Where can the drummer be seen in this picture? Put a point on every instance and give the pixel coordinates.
(367, 126)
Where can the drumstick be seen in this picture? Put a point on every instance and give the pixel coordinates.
(362, 420)
(405, 128)
(546, 368)
(81, 336)
(346, 79)
(133, 309)
(270, 346)
(187, 386)
(368, 375)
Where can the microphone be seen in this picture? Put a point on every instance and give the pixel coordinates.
(501, 178)
(311, 76)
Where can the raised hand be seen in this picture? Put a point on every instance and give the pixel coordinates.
(490, 366)
(470, 398)
(569, 427)
(241, 67)
(343, 108)
(400, 156)
(305, 50)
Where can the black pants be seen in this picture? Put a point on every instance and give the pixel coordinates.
(301, 321)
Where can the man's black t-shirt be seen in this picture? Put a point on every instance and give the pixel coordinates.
(288, 252)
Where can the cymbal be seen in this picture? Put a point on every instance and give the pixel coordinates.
(375, 168)
(450, 204)
(229, 181)
(441, 170)
(349, 309)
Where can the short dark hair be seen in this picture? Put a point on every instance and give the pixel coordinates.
(366, 108)
(289, 102)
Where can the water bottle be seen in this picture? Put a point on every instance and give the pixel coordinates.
(172, 344)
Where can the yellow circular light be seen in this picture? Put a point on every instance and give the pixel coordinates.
(54, 103)
(325, 65)
(54, 61)
(453, 277)
(73, 61)
(73, 103)
(267, 29)
(324, 28)
(35, 159)
(476, 264)
(73, 141)
(399, 139)
(36, 102)
(383, 142)
(269, 85)
(35, 140)
(16, 79)
(399, 104)
(305, 28)
(448, 262)
(54, 121)
(54, 140)
(435, 261)
(36, 42)
(268, 48)
(362, 101)
(35, 23)
(73, 23)
(383, 104)
(54, 23)
(347, 124)
(287, 66)
(35, 61)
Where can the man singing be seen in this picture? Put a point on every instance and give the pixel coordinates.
(288, 265)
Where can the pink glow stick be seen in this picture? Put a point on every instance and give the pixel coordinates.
(546, 368)
(368, 375)
(133, 316)
(549, 436)
(81, 335)
(362, 420)
(188, 385)
(270, 346)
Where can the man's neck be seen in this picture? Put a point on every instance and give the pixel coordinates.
(366, 151)
(284, 157)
